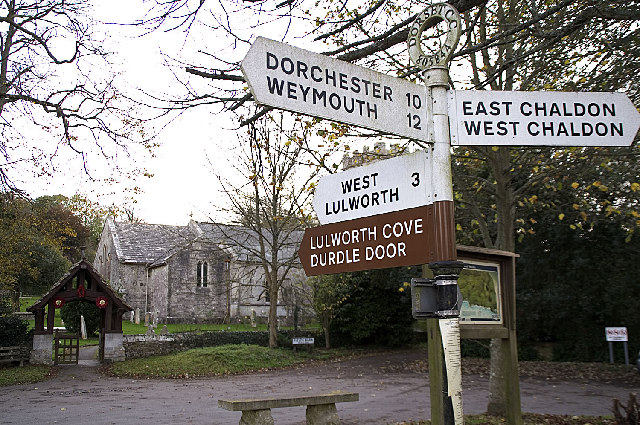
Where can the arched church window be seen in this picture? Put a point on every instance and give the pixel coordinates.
(205, 272)
(202, 273)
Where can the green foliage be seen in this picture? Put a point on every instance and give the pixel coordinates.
(72, 311)
(45, 266)
(38, 239)
(378, 309)
(13, 330)
(574, 281)
(329, 292)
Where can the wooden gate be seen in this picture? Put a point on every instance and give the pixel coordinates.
(67, 348)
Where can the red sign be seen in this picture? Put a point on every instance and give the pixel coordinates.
(400, 238)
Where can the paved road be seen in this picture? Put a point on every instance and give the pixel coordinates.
(80, 395)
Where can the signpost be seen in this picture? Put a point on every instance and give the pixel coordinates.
(298, 80)
(400, 211)
(516, 118)
(394, 184)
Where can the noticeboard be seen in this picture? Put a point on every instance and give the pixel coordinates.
(479, 284)
(486, 268)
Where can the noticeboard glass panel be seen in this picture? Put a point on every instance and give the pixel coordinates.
(479, 283)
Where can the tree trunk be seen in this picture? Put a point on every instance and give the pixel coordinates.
(505, 240)
(497, 405)
(326, 322)
(273, 314)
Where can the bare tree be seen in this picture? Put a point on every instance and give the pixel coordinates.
(57, 95)
(269, 201)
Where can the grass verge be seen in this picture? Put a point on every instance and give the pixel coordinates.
(210, 361)
(24, 375)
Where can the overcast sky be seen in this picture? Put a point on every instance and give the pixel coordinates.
(183, 185)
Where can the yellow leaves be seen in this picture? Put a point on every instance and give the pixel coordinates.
(561, 216)
(495, 148)
(533, 199)
(404, 286)
(576, 207)
(575, 185)
(600, 186)
(610, 209)
(635, 187)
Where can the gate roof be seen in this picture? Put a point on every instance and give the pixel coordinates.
(95, 284)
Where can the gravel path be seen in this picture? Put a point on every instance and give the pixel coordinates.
(391, 388)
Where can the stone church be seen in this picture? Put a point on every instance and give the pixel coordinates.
(201, 272)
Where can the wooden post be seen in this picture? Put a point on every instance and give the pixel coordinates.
(51, 314)
(108, 321)
(39, 320)
(436, 368)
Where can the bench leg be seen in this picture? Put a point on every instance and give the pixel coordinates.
(256, 417)
(322, 414)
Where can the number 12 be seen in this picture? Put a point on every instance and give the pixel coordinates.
(414, 121)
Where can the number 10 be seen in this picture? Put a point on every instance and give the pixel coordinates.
(415, 101)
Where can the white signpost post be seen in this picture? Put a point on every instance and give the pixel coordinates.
(393, 184)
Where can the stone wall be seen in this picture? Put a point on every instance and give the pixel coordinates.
(158, 291)
(137, 346)
(143, 346)
(190, 299)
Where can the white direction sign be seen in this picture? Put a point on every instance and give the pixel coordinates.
(298, 80)
(516, 118)
(393, 184)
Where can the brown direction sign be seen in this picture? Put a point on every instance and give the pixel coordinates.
(400, 238)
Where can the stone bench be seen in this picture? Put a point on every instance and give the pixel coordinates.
(321, 408)
(13, 354)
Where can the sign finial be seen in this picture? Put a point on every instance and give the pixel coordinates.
(430, 15)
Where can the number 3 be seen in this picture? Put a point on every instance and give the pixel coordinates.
(416, 179)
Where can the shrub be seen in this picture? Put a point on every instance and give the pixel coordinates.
(377, 310)
(13, 330)
(72, 311)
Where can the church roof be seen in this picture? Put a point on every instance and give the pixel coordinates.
(153, 244)
(147, 243)
(244, 242)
